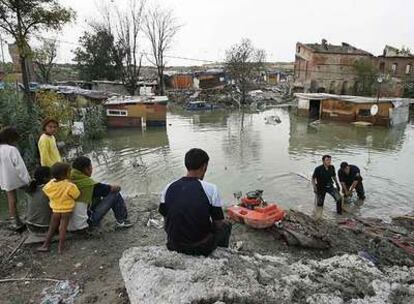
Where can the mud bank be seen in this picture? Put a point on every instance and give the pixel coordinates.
(92, 261)
(155, 275)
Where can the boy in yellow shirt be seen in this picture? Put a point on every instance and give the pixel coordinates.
(49, 153)
(62, 195)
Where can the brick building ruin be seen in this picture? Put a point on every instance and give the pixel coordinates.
(328, 68)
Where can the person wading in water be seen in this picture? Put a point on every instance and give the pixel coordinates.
(322, 180)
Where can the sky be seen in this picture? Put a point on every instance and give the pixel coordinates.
(209, 27)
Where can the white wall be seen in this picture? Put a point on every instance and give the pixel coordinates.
(303, 104)
(399, 115)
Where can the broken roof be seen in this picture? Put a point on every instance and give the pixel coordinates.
(72, 90)
(345, 48)
(352, 99)
(117, 100)
(390, 51)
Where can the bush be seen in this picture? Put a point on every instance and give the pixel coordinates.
(54, 105)
(26, 118)
(93, 118)
(409, 87)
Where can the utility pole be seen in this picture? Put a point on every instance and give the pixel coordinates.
(380, 79)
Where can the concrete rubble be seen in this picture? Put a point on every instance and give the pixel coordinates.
(154, 275)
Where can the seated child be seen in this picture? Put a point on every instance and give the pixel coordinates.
(62, 195)
(38, 210)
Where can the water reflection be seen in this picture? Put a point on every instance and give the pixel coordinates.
(276, 158)
(204, 119)
(242, 142)
(130, 157)
(337, 137)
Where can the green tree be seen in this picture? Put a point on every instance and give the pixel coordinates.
(97, 56)
(366, 77)
(409, 87)
(21, 18)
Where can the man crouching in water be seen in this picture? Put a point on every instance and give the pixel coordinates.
(350, 178)
(192, 208)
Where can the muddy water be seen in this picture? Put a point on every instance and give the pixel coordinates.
(276, 158)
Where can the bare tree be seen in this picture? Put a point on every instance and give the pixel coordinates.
(244, 63)
(127, 30)
(125, 27)
(160, 26)
(44, 59)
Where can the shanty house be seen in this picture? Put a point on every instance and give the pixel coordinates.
(136, 111)
(389, 111)
(179, 81)
(211, 78)
(275, 77)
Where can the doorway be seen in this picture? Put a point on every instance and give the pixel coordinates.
(314, 109)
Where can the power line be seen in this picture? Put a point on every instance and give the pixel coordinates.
(145, 53)
(184, 58)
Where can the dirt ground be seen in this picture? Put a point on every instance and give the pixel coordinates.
(92, 261)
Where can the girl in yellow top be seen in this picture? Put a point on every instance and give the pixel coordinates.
(62, 195)
(49, 153)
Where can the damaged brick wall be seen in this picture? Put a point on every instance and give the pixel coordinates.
(325, 72)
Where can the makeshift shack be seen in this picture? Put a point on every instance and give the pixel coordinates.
(275, 77)
(211, 78)
(389, 111)
(136, 111)
(181, 81)
(118, 87)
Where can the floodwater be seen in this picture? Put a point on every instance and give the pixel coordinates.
(278, 159)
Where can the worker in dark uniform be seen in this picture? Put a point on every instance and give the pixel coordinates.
(350, 179)
(322, 180)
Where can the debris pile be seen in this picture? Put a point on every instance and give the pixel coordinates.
(389, 243)
(406, 221)
(273, 120)
(156, 275)
(61, 292)
(299, 229)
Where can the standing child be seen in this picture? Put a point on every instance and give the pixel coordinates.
(38, 210)
(62, 194)
(49, 153)
(13, 172)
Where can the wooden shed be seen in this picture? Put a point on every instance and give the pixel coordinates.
(390, 111)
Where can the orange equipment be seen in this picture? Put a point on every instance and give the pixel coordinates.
(255, 212)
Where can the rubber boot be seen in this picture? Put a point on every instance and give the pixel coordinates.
(339, 207)
(318, 213)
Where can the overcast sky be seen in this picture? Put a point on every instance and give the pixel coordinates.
(211, 26)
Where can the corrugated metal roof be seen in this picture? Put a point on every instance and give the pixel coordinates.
(136, 99)
(71, 90)
(353, 99)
